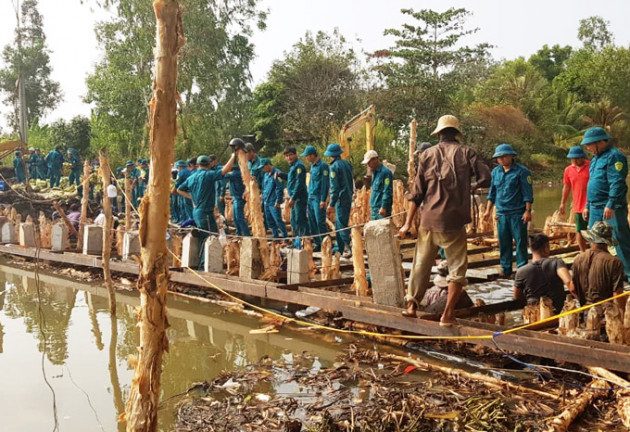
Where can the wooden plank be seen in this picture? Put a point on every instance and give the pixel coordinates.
(590, 353)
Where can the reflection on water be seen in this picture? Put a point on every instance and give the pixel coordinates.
(86, 350)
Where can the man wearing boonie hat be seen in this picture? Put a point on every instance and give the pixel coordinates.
(341, 193)
(575, 183)
(606, 197)
(184, 205)
(597, 275)
(318, 187)
(19, 167)
(298, 195)
(273, 196)
(200, 188)
(382, 194)
(512, 194)
(441, 190)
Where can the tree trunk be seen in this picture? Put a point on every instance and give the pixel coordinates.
(142, 405)
(84, 203)
(106, 175)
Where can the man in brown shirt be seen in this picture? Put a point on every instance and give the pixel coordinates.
(597, 275)
(442, 189)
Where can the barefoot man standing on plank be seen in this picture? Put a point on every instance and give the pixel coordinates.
(443, 186)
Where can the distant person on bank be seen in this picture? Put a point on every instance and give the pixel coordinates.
(512, 194)
(607, 190)
(575, 183)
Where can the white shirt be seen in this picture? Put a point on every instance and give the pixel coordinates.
(100, 219)
(112, 191)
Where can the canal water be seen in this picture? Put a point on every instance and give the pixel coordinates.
(71, 348)
(63, 357)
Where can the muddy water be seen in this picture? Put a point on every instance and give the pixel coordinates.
(85, 355)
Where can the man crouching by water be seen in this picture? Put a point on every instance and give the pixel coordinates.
(543, 277)
(442, 188)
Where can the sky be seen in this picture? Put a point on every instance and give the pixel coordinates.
(515, 28)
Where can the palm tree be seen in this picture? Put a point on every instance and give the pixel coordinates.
(604, 114)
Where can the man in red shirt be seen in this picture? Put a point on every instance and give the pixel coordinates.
(575, 181)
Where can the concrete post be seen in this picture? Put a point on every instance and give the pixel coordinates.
(131, 245)
(384, 261)
(27, 234)
(92, 240)
(213, 251)
(8, 233)
(297, 266)
(59, 240)
(190, 251)
(250, 266)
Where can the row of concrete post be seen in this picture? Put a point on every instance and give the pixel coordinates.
(382, 249)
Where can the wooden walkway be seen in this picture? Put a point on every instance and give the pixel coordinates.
(362, 309)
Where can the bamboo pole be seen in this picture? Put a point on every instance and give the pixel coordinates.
(84, 203)
(106, 175)
(141, 411)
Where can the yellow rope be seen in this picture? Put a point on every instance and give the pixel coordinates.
(383, 335)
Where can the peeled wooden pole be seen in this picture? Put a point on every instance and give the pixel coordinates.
(576, 406)
(128, 202)
(141, 411)
(255, 216)
(360, 285)
(623, 395)
(326, 251)
(106, 174)
(84, 203)
(487, 380)
(411, 164)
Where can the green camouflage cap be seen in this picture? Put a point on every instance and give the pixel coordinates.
(601, 233)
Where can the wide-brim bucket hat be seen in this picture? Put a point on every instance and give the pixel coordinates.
(333, 150)
(576, 152)
(595, 134)
(503, 150)
(447, 121)
(601, 233)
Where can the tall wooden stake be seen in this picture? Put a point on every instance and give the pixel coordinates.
(128, 202)
(142, 406)
(255, 216)
(106, 175)
(411, 170)
(84, 202)
(411, 166)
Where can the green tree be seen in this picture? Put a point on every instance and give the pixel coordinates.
(594, 34)
(427, 66)
(315, 87)
(550, 62)
(29, 57)
(519, 84)
(213, 80)
(74, 134)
